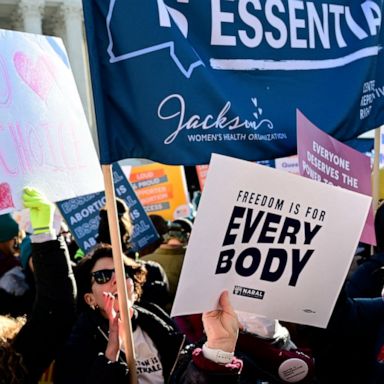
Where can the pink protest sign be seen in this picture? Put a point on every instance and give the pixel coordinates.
(325, 159)
(45, 140)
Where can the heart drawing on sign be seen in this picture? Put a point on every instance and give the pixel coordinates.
(5, 196)
(36, 74)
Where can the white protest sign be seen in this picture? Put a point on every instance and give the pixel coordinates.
(289, 164)
(44, 135)
(281, 244)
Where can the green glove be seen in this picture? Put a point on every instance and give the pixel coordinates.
(79, 255)
(41, 210)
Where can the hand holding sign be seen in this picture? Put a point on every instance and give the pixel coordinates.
(270, 246)
(222, 326)
(41, 135)
(41, 210)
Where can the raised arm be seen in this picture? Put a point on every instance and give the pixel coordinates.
(54, 309)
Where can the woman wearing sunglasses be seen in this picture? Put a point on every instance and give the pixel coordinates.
(93, 352)
(156, 286)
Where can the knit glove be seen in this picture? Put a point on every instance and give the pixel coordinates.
(41, 210)
(79, 255)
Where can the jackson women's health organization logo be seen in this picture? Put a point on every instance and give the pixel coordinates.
(221, 120)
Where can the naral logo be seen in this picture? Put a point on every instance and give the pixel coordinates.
(248, 292)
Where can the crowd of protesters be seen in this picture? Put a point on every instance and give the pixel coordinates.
(62, 307)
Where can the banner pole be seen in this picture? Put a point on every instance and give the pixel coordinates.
(376, 175)
(376, 171)
(117, 251)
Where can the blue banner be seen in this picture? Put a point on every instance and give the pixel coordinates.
(174, 81)
(82, 215)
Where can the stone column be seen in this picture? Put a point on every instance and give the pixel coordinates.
(72, 15)
(30, 13)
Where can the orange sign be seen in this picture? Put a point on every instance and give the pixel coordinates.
(161, 189)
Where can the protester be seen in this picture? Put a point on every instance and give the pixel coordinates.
(156, 286)
(162, 227)
(351, 348)
(182, 226)
(367, 280)
(269, 354)
(93, 353)
(27, 348)
(170, 255)
(265, 346)
(16, 295)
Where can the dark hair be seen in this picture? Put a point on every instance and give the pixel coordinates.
(161, 225)
(83, 272)
(125, 225)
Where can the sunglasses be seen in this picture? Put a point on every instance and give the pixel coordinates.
(104, 275)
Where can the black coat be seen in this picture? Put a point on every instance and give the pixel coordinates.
(82, 361)
(53, 312)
